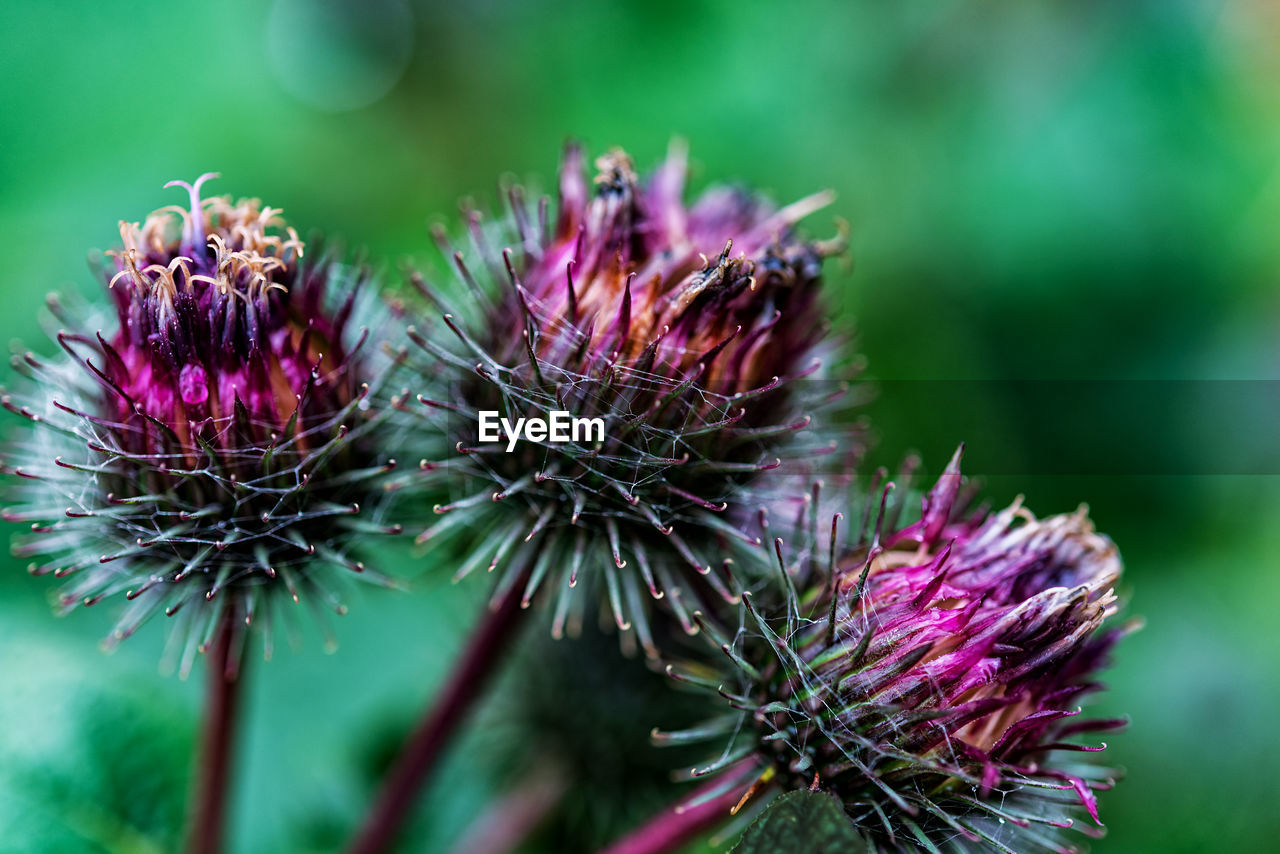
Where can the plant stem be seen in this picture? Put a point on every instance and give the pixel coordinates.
(678, 825)
(411, 769)
(209, 806)
(508, 822)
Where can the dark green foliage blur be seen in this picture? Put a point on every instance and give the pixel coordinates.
(1036, 191)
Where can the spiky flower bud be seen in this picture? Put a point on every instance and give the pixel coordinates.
(213, 451)
(683, 333)
(932, 681)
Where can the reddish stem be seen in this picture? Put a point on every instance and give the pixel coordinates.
(678, 825)
(480, 660)
(209, 804)
(511, 820)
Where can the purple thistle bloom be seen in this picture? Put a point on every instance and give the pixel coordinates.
(685, 330)
(215, 449)
(933, 686)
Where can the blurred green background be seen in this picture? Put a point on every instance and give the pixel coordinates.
(1074, 190)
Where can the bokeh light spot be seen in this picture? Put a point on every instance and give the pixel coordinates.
(339, 55)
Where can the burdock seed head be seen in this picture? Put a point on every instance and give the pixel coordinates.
(214, 454)
(693, 337)
(931, 681)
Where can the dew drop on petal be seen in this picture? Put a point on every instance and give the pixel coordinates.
(193, 384)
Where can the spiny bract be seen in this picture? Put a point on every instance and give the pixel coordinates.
(931, 681)
(696, 334)
(214, 454)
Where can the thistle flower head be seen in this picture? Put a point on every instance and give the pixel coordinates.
(214, 449)
(932, 680)
(683, 330)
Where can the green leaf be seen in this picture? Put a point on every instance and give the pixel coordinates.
(812, 822)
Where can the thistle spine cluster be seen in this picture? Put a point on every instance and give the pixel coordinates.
(221, 443)
(707, 372)
(928, 673)
(220, 450)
